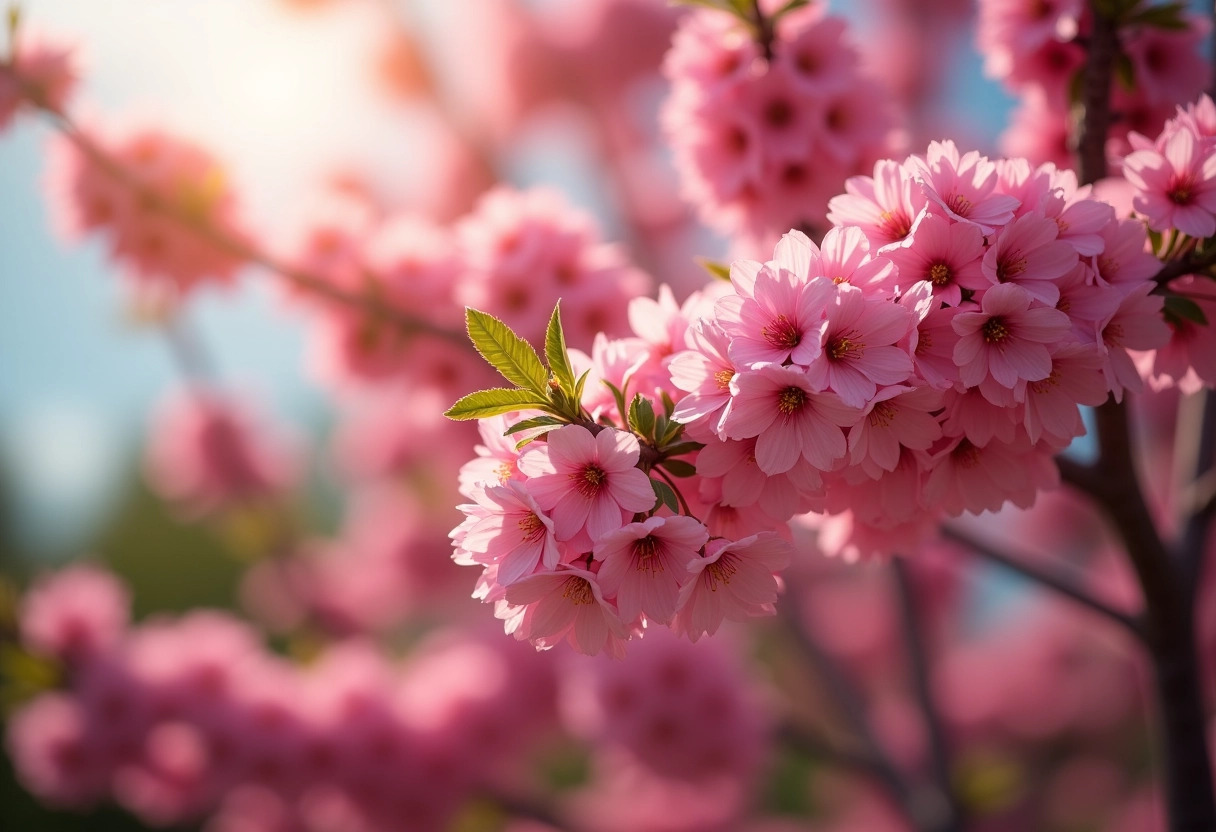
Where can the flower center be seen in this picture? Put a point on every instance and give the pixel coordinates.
(791, 400)
(531, 527)
(1044, 386)
(645, 555)
(895, 225)
(720, 571)
(722, 378)
(1009, 268)
(578, 591)
(590, 480)
(939, 274)
(842, 348)
(966, 455)
(782, 334)
(959, 204)
(995, 330)
(1182, 192)
(882, 414)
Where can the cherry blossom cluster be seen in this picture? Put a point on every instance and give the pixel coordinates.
(175, 718)
(1173, 180)
(135, 186)
(928, 359)
(207, 451)
(766, 125)
(931, 356)
(1037, 51)
(43, 70)
(190, 719)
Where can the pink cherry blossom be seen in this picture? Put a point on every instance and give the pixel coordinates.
(945, 254)
(645, 564)
(963, 186)
(859, 351)
(1027, 253)
(1008, 339)
(1176, 186)
(506, 527)
(1052, 403)
(897, 417)
(587, 484)
(567, 605)
(734, 580)
(782, 319)
(790, 419)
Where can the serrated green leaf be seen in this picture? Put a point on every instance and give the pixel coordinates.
(669, 404)
(664, 495)
(556, 354)
(679, 467)
(534, 422)
(641, 416)
(1184, 309)
(580, 386)
(683, 448)
(497, 400)
(506, 352)
(721, 271)
(619, 395)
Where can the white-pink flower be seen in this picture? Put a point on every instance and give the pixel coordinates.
(858, 347)
(1176, 186)
(506, 527)
(1008, 339)
(645, 564)
(734, 580)
(566, 605)
(588, 484)
(790, 419)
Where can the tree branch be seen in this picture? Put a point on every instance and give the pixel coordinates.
(918, 659)
(1049, 579)
(223, 239)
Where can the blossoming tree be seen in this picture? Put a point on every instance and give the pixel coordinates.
(905, 350)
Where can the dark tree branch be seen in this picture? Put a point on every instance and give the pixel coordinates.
(1053, 580)
(914, 643)
(223, 239)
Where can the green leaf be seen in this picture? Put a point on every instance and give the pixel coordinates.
(486, 403)
(683, 448)
(555, 352)
(619, 395)
(664, 495)
(507, 352)
(1184, 309)
(641, 416)
(578, 387)
(719, 270)
(678, 467)
(1125, 72)
(787, 8)
(669, 404)
(534, 422)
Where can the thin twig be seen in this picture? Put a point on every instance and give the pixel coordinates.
(914, 644)
(224, 239)
(1052, 580)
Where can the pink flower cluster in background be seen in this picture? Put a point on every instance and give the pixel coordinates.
(762, 143)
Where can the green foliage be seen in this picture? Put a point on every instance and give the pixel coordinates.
(665, 495)
(507, 353)
(1181, 309)
(486, 403)
(719, 270)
